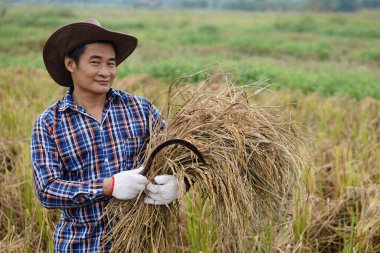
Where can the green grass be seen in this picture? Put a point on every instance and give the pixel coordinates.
(339, 51)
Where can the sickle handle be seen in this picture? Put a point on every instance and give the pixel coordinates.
(168, 143)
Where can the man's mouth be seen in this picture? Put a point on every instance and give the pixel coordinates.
(103, 82)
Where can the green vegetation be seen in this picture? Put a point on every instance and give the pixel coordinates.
(326, 53)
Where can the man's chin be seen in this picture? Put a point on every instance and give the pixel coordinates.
(101, 89)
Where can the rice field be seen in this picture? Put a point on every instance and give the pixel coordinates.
(323, 72)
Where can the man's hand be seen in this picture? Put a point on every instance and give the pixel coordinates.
(163, 192)
(126, 184)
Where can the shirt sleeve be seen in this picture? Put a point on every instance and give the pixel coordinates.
(52, 191)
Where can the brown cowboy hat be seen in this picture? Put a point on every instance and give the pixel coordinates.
(73, 35)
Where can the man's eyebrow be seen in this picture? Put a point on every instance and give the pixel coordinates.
(97, 57)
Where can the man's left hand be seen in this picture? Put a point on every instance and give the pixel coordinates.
(163, 192)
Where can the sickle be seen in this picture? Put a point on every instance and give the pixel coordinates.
(168, 143)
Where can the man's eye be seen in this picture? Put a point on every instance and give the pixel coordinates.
(112, 64)
(95, 62)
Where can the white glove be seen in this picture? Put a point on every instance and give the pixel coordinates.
(128, 184)
(164, 192)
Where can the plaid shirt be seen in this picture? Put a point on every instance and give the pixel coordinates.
(72, 153)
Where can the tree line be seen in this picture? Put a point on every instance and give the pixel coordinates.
(249, 5)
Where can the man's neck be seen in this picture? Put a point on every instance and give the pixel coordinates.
(92, 103)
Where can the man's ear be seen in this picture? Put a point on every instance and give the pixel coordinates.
(69, 64)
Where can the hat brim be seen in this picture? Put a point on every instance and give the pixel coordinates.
(71, 36)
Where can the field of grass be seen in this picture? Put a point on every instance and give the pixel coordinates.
(324, 67)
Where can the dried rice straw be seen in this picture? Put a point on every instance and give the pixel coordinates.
(252, 165)
(354, 216)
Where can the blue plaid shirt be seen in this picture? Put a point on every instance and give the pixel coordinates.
(72, 153)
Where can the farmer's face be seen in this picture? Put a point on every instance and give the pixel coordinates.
(96, 69)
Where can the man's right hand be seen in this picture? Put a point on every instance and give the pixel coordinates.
(126, 184)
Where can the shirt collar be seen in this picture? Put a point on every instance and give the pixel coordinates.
(68, 100)
(111, 94)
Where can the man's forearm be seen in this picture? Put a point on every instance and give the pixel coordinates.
(64, 194)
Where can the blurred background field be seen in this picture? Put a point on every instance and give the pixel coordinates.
(324, 68)
(325, 52)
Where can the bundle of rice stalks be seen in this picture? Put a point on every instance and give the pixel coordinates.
(351, 221)
(251, 166)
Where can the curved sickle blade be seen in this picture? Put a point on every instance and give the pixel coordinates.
(168, 143)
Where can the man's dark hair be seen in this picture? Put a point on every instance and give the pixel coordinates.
(76, 53)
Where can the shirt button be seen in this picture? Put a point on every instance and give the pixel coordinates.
(101, 128)
(106, 160)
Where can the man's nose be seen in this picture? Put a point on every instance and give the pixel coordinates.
(104, 70)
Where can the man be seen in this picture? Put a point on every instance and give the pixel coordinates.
(84, 148)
